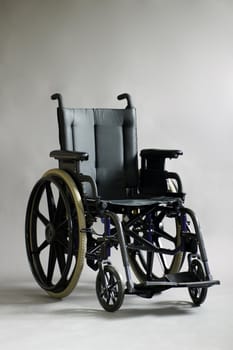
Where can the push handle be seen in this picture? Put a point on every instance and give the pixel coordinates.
(59, 98)
(128, 98)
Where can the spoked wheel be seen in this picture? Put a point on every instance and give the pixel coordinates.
(109, 288)
(55, 241)
(166, 234)
(198, 295)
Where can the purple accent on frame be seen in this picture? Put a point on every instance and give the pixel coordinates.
(183, 223)
(150, 228)
(107, 232)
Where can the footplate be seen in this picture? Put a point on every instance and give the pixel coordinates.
(179, 280)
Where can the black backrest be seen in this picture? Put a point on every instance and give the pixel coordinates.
(109, 137)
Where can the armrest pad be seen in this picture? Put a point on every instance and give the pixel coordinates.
(69, 155)
(160, 153)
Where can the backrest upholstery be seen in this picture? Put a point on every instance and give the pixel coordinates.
(109, 137)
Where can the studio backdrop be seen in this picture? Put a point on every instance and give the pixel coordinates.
(175, 58)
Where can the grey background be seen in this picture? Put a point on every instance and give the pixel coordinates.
(175, 57)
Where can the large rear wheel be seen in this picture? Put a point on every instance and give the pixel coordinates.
(55, 240)
(167, 235)
(148, 265)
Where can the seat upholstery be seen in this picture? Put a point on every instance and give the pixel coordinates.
(109, 137)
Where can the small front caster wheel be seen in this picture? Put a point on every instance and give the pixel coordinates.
(109, 288)
(198, 295)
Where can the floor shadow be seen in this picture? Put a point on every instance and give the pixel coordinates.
(16, 297)
(159, 309)
(26, 294)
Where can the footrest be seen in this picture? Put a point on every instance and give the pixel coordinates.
(179, 280)
(170, 284)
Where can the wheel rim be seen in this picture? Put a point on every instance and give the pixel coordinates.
(55, 245)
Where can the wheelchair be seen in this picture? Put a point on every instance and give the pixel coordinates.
(100, 199)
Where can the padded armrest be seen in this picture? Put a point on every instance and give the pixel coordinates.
(69, 155)
(153, 176)
(160, 153)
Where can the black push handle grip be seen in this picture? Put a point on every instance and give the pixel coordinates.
(59, 98)
(128, 98)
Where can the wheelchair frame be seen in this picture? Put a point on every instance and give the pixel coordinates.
(135, 224)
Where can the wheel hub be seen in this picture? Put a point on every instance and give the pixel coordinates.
(50, 233)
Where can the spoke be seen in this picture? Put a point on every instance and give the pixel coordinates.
(41, 247)
(102, 294)
(51, 202)
(163, 234)
(142, 260)
(112, 285)
(161, 257)
(51, 263)
(113, 297)
(108, 299)
(150, 260)
(163, 262)
(63, 223)
(42, 218)
(61, 211)
(61, 258)
(63, 242)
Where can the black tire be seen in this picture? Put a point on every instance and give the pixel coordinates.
(55, 242)
(109, 288)
(198, 295)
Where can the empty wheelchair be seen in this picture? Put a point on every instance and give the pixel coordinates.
(100, 199)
